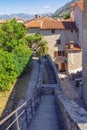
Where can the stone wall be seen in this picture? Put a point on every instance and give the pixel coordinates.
(85, 51)
(64, 35)
(41, 73)
(51, 38)
(74, 117)
(79, 22)
(74, 61)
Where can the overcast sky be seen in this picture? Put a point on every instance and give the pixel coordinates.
(30, 6)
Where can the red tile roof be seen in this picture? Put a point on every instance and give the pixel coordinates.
(79, 4)
(2, 21)
(50, 23)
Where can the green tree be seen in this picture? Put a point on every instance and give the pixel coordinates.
(15, 53)
(11, 33)
(67, 16)
(42, 48)
(33, 40)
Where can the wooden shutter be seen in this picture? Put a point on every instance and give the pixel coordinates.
(55, 53)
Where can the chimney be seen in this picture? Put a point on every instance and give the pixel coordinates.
(71, 44)
(37, 16)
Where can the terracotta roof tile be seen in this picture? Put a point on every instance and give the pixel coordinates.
(2, 21)
(50, 23)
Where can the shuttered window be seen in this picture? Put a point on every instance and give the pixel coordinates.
(55, 53)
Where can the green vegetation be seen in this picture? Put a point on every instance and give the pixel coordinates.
(16, 48)
(36, 43)
(57, 16)
(33, 40)
(67, 16)
(14, 52)
(42, 48)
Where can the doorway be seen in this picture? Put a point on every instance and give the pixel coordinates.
(63, 66)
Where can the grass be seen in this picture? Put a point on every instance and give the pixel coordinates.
(10, 99)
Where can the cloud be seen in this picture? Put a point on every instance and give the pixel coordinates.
(47, 7)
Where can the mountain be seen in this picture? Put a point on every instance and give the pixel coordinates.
(64, 9)
(20, 15)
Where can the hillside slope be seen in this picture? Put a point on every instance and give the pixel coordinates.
(64, 9)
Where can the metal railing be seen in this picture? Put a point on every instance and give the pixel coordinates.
(20, 118)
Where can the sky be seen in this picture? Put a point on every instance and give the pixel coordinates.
(30, 6)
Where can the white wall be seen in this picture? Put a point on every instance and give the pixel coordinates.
(74, 61)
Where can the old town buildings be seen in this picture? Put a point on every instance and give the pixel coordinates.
(58, 34)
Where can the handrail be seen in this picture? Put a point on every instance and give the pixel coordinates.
(22, 110)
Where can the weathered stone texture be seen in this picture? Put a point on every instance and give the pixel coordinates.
(85, 51)
(74, 60)
(75, 117)
(64, 35)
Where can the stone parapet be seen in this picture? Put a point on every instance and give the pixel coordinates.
(41, 72)
(75, 117)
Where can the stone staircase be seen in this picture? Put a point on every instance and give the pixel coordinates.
(50, 75)
(39, 112)
(46, 117)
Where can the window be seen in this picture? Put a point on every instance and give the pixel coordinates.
(59, 53)
(55, 53)
(63, 53)
(52, 30)
(58, 41)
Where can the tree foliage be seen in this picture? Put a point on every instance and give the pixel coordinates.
(36, 43)
(42, 48)
(11, 33)
(67, 16)
(33, 40)
(14, 52)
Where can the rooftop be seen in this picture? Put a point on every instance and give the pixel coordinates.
(48, 22)
(2, 21)
(73, 47)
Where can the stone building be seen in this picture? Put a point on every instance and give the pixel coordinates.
(85, 51)
(73, 57)
(77, 13)
(57, 33)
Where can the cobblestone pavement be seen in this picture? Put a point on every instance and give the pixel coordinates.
(69, 89)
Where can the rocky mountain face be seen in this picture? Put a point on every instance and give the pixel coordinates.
(64, 9)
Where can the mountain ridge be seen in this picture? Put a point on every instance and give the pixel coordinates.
(64, 9)
(58, 13)
(20, 15)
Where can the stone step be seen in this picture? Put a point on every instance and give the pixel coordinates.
(46, 117)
